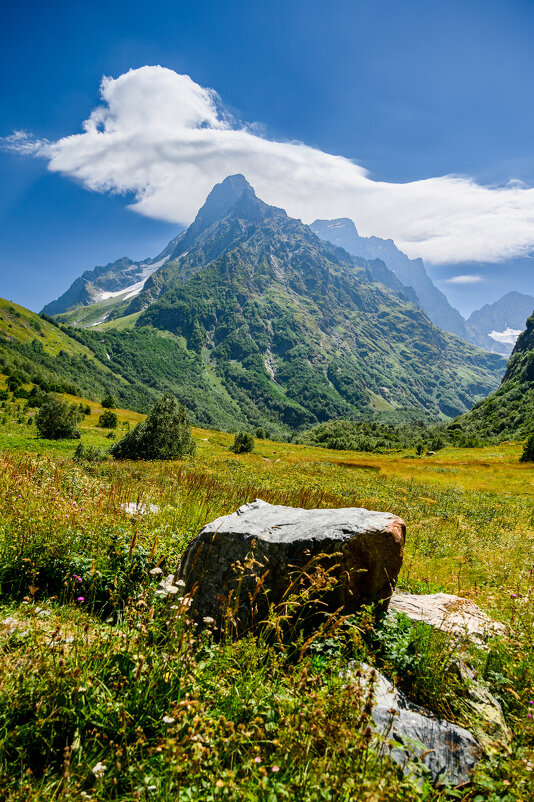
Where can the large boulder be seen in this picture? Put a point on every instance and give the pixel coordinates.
(264, 554)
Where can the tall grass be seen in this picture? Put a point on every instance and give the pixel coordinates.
(96, 669)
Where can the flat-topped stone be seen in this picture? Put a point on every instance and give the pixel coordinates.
(241, 563)
(460, 618)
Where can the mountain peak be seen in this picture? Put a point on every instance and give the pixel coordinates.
(339, 224)
(221, 198)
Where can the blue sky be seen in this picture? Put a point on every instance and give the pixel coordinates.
(408, 91)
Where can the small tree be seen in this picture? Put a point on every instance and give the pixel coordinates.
(108, 420)
(109, 401)
(13, 383)
(165, 434)
(56, 420)
(243, 443)
(528, 450)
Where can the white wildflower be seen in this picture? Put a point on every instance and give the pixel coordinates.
(99, 770)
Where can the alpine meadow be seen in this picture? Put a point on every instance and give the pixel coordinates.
(267, 481)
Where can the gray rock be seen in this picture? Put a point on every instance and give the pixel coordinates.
(416, 739)
(241, 563)
(458, 617)
(485, 712)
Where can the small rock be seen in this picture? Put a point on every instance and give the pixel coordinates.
(458, 617)
(488, 722)
(132, 508)
(416, 739)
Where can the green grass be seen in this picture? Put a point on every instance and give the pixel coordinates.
(91, 681)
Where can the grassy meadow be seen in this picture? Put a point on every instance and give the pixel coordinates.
(106, 692)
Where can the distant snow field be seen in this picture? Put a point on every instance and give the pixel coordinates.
(508, 336)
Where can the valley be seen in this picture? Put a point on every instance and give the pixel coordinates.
(349, 396)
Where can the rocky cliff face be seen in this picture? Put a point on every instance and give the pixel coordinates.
(411, 272)
(497, 326)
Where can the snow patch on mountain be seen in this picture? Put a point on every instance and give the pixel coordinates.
(134, 289)
(508, 336)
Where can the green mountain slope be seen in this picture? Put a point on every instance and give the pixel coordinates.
(509, 412)
(41, 352)
(136, 366)
(299, 331)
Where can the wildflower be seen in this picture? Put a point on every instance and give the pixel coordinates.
(257, 759)
(168, 720)
(275, 768)
(208, 619)
(81, 598)
(99, 770)
(513, 595)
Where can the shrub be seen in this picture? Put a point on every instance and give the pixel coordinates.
(36, 397)
(108, 420)
(260, 433)
(85, 453)
(528, 451)
(165, 434)
(56, 420)
(243, 443)
(109, 401)
(13, 383)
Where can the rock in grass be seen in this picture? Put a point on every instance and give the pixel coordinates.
(464, 622)
(460, 618)
(263, 554)
(418, 741)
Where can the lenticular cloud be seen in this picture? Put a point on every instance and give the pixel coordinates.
(167, 140)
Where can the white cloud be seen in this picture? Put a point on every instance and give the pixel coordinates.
(167, 140)
(467, 279)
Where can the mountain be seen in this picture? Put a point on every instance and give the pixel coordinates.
(497, 326)
(104, 293)
(509, 412)
(271, 326)
(411, 272)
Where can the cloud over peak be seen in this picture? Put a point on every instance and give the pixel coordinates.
(168, 140)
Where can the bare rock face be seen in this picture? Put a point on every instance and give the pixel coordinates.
(242, 563)
(460, 618)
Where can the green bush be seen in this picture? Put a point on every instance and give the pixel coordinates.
(85, 453)
(165, 434)
(109, 401)
(528, 451)
(56, 420)
(243, 443)
(108, 420)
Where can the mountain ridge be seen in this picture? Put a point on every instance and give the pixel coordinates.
(290, 329)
